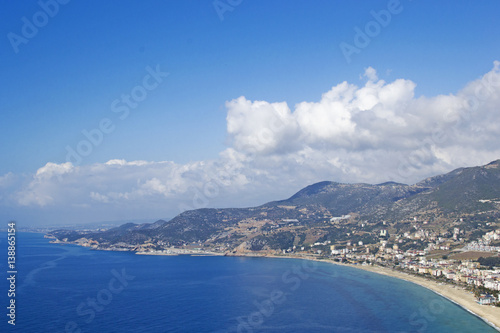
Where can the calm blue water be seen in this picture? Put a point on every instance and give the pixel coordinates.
(64, 288)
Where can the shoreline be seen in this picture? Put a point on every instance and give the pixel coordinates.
(455, 294)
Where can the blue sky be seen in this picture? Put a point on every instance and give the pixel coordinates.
(64, 79)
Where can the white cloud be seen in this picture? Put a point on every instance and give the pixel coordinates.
(7, 179)
(99, 197)
(52, 169)
(373, 133)
(371, 74)
(381, 127)
(45, 184)
(259, 126)
(125, 163)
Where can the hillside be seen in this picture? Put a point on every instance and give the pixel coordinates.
(322, 212)
(460, 192)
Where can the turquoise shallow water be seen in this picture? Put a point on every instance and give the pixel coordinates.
(65, 288)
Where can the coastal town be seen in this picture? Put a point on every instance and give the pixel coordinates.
(462, 269)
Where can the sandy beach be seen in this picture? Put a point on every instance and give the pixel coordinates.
(456, 294)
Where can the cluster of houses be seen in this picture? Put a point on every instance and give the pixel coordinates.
(483, 244)
(458, 271)
(481, 247)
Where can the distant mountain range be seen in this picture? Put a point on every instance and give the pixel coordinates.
(310, 215)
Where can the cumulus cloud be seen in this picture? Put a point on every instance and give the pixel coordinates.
(259, 126)
(379, 127)
(371, 133)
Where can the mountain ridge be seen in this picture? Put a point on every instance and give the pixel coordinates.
(313, 214)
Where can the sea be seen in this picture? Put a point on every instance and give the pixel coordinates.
(67, 288)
